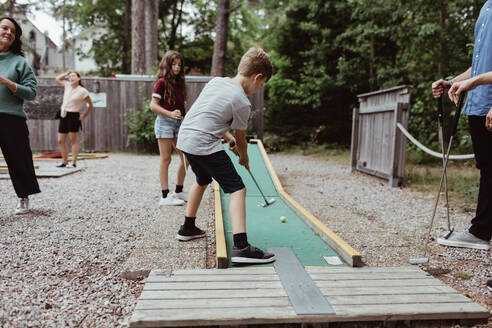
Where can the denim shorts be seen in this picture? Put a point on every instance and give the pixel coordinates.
(217, 166)
(166, 127)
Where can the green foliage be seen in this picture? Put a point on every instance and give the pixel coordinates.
(303, 95)
(325, 53)
(463, 181)
(195, 41)
(3, 7)
(140, 122)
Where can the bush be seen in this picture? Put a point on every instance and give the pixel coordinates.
(141, 125)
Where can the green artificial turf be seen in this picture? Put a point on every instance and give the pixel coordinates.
(263, 223)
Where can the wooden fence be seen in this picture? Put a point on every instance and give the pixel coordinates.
(105, 129)
(378, 147)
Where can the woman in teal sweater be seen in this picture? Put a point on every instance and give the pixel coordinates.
(17, 83)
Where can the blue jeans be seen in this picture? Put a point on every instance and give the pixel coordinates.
(166, 127)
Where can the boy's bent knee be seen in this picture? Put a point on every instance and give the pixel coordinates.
(238, 191)
(203, 181)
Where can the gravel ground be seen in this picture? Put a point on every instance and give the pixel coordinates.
(61, 264)
(387, 225)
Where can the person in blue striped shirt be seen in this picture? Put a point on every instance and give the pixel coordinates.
(478, 107)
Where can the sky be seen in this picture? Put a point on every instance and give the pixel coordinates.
(45, 22)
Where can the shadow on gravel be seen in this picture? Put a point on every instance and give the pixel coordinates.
(30, 214)
(40, 212)
(436, 271)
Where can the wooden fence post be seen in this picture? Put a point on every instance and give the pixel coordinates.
(355, 140)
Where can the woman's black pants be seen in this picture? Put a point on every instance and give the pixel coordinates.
(14, 143)
(482, 146)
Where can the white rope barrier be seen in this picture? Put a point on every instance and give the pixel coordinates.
(427, 150)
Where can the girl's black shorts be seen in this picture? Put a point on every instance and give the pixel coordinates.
(70, 123)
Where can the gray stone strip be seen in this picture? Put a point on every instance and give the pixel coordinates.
(305, 296)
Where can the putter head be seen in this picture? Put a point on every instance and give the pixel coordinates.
(269, 202)
(421, 260)
(448, 233)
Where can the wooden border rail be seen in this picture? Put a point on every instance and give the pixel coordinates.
(348, 254)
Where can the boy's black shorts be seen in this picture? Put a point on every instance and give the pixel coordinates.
(70, 123)
(217, 166)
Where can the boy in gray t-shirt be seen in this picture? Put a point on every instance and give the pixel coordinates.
(223, 105)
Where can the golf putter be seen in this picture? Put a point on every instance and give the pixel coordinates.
(267, 202)
(440, 114)
(424, 258)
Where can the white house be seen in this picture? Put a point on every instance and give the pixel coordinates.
(80, 48)
(41, 52)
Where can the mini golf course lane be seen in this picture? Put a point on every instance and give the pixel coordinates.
(264, 226)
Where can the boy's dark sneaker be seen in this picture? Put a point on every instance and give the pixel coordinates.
(61, 165)
(251, 254)
(189, 234)
(489, 284)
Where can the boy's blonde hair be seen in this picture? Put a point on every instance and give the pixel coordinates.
(255, 61)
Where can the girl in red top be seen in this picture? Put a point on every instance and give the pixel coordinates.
(168, 101)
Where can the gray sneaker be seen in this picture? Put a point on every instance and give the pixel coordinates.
(22, 206)
(464, 239)
(251, 255)
(180, 195)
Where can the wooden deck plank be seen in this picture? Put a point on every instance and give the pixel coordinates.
(380, 283)
(212, 294)
(365, 276)
(336, 270)
(224, 278)
(252, 315)
(213, 285)
(187, 318)
(398, 299)
(226, 272)
(217, 297)
(387, 291)
(205, 303)
(414, 311)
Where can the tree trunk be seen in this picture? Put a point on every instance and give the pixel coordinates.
(64, 38)
(126, 63)
(220, 44)
(174, 27)
(151, 16)
(138, 36)
(442, 42)
(11, 8)
(371, 62)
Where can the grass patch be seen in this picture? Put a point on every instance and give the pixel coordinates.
(329, 152)
(463, 177)
(463, 182)
(405, 236)
(462, 275)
